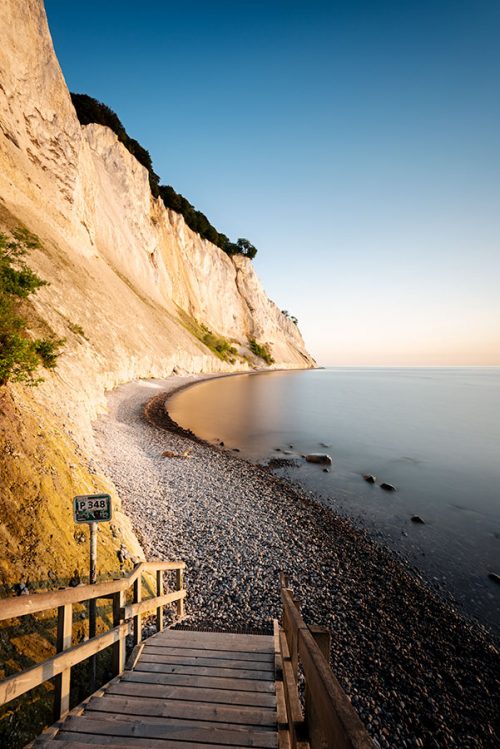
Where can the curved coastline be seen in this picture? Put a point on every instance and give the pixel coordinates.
(419, 673)
(455, 566)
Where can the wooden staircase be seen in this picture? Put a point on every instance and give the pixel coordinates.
(183, 689)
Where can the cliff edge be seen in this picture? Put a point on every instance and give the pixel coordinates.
(132, 290)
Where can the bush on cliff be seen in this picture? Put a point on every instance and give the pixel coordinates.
(90, 110)
(20, 355)
(262, 350)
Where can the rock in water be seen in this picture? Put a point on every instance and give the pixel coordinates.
(369, 478)
(493, 576)
(417, 519)
(319, 458)
(388, 487)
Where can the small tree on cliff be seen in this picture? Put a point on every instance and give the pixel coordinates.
(246, 248)
(20, 355)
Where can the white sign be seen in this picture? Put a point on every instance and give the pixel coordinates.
(92, 508)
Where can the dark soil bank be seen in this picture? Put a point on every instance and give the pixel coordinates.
(419, 674)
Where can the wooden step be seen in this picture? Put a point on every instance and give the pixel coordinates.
(213, 671)
(237, 714)
(216, 658)
(193, 694)
(187, 690)
(169, 729)
(200, 682)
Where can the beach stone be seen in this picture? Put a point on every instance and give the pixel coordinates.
(417, 519)
(369, 478)
(319, 458)
(21, 589)
(387, 487)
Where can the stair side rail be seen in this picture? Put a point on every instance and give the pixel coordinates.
(328, 720)
(126, 620)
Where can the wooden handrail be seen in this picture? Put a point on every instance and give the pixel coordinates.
(329, 720)
(142, 607)
(11, 608)
(17, 684)
(126, 620)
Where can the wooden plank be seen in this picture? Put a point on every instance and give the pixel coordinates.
(20, 683)
(31, 604)
(200, 682)
(159, 592)
(293, 707)
(230, 663)
(81, 741)
(184, 724)
(180, 634)
(165, 691)
(212, 641)
(134, 656)
(283, 731)
(180, 651)
(179, 585)
(143, 607)
(63, 680)
(138, 615)
(231, 673)
(340, 724)
(163, 728)
(119, 648)
(278, 667)
(250, 716)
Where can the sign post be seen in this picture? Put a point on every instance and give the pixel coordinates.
(92, 509)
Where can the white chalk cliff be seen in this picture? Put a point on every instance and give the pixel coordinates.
(127, 276)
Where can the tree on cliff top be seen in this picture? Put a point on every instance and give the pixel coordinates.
(90, 110)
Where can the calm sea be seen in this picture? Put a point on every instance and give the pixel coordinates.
(433, 433)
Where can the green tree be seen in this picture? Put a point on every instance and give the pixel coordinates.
(91, 110)
(246, 248)
(20, 355)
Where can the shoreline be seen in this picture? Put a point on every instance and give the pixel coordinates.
(418, 672)
(458, 595)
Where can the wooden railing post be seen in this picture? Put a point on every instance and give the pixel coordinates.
(159, 592)
(316, 735)
(138, 616)
(119, 651)
(58, 666)
(179, 585)
(63, 680)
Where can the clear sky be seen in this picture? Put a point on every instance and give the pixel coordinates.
(356, 144)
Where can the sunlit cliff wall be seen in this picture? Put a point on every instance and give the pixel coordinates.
(127, 278)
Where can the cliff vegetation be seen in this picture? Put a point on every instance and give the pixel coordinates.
(20, 354)
(90, 110)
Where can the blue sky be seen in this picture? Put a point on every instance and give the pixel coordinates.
(356, 144)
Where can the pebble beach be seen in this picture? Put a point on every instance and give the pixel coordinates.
(418, 672)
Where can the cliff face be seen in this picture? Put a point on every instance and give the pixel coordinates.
(129, 283)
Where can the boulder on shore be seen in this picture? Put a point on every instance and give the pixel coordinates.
(323, 458)
(369, 478)
(417, 519)
(493, 576)
(387, 487)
